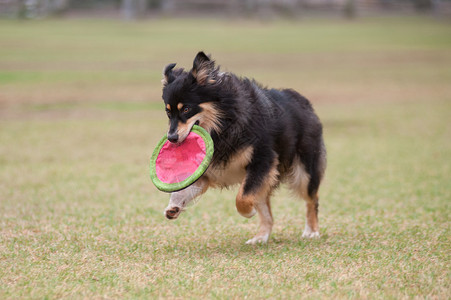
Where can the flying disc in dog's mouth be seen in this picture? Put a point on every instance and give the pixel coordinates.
(174, 167)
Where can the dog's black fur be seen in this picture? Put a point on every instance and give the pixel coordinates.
(279, 125)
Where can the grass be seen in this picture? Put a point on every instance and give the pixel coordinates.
(80, 114)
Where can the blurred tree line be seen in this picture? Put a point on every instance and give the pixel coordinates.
(135, 9)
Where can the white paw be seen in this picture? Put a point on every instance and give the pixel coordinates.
(310, 234)
(262, 239)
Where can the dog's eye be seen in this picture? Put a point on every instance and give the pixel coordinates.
(186, 109)
(168, 113)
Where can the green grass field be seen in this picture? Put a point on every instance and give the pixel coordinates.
(80, 113)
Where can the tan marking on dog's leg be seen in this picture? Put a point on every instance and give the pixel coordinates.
(258, 201)
(245, 204)
(263, 207)
(311, 223)
(299, 183)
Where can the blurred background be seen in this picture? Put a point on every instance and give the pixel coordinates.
(133, 9)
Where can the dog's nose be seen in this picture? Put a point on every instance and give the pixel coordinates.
(173, 137)
(172, 213)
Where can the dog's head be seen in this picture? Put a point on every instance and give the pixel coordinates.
(191, 98)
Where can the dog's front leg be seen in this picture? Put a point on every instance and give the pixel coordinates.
(254, 197)
(179, 200)
(249, 203)
(263, 207)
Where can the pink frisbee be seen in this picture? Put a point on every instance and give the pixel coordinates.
(174, 167)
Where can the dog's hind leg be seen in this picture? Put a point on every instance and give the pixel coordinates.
(311, 229)
(300, 182)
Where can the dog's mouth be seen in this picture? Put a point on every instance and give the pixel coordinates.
(182, 139)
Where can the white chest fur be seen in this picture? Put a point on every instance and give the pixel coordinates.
(233, 172)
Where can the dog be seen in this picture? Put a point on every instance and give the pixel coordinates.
(262, 137)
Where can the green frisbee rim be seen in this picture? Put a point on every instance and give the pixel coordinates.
(177, 186)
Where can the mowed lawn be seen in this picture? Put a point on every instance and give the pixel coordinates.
(81, 111)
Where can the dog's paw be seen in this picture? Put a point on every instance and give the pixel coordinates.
(261, 239)
(310, 234)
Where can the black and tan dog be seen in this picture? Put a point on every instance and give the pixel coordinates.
(262, 137)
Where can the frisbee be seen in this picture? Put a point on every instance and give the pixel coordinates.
(174, 167)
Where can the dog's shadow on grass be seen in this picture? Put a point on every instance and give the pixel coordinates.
(234, 245)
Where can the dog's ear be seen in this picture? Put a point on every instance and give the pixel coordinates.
(203, 67)
(168, 74)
